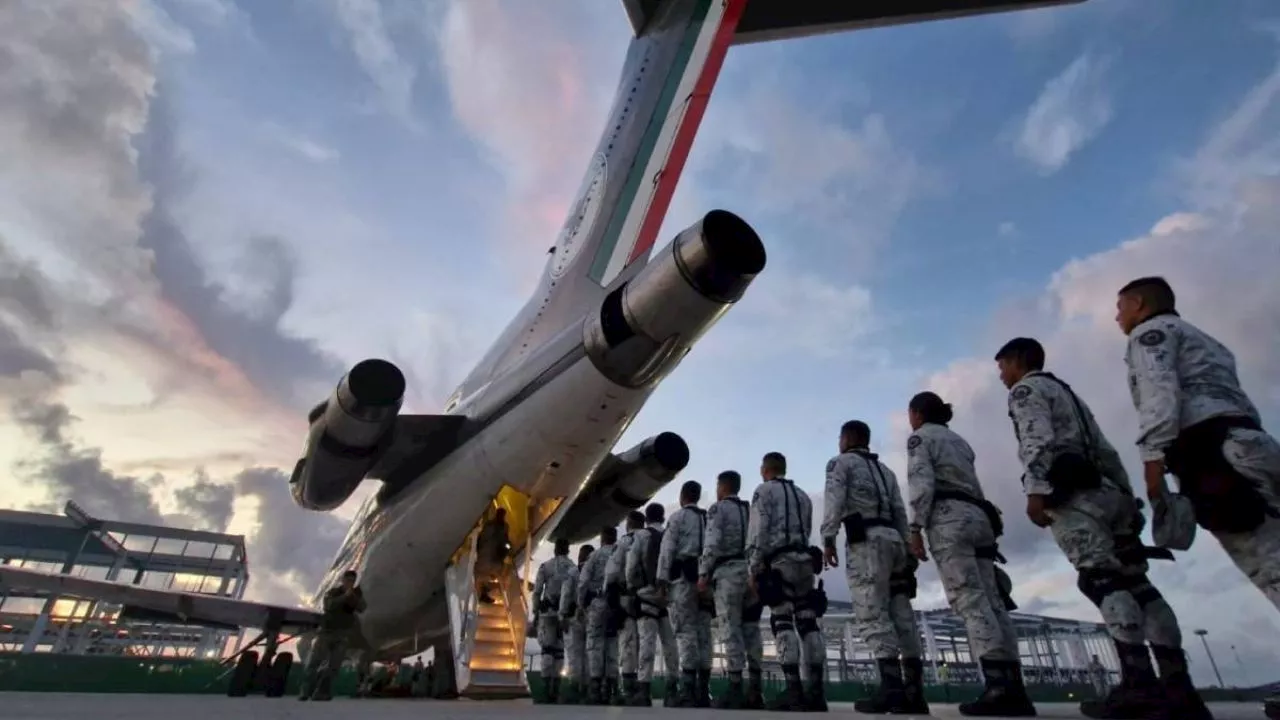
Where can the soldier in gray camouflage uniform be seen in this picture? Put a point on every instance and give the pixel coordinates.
(623, 603)
(1196, 421)
(1077, 487)
(678, 573)
(862, 496)
(723, 566)
(546, 596)
(753, 643)
(602, 633)
(653, 624)
(783, 571)
(573, 618)
(947, 503)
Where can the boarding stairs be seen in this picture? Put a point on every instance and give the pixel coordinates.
(487, 638)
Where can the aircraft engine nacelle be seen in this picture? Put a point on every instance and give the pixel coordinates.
(647, 325)
(349, 433)
(623, 483)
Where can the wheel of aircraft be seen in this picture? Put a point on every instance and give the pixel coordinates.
(278, 678)
(242, 677)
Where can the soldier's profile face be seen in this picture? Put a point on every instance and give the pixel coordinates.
(1010, 371)
(1128, 308)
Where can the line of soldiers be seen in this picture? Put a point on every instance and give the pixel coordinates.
(667, 581)
(1195, 423)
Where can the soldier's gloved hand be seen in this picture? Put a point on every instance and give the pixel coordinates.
(912, 564)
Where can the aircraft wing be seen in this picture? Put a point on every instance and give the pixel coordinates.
(162, 605)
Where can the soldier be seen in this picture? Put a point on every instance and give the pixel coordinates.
(623, 604)
(653, 624)
(1196, 421)
(781, 568)
(753, 644)
(573, 618)
(862, 496)
(602, 633)
(1077, 487)
(724, 564)
(341, 604)
(551, 577)
(947, 503)
(678, 574)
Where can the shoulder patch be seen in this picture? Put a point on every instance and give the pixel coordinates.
(1022, 392)
(1151, 338)
(913, 442)
(831, 465)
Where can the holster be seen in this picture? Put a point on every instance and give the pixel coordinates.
(903, 584)
(1224, 500)
(855, 528)
(1069, 474)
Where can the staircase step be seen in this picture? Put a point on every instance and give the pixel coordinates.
(485, 635)
(493, 664)
(497, 678)
(493, 623)
(495, 649)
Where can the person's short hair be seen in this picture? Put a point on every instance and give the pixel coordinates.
(1155, 291)
(562, 547)
(857, 430)
(350, 574)
(500, 512)
(585, 551)
(1027, 351)
(691, 491)
(608, 534)
(635, 520)
(776, 462)
(655, 513)
(731, 480)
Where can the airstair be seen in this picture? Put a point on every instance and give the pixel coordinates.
(487, 638)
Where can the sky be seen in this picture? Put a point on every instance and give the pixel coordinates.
(209, 209)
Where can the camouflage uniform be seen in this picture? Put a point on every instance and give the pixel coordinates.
(653, 624)
(573, 620)
(602, 635)
(681, 548)
(778, 542)
(547, 586)
(615, 576)
(860, 490)
(1098, 530)
(724, 563)
(329, 649)
(1180, 377)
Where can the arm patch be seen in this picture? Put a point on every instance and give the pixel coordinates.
(1151, 338)
(1022, 392)
(913, 442)
(831, 465)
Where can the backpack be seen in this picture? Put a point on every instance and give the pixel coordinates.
(651, 552)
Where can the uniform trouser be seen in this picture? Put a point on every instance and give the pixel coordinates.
(628, 646)
(654, 626)
(794, 623)
(753, 644)
(883, 620)
(327, 654)
(552, 644)
(602, 641)
(1256, 455)
(692, 626)
(575, 655)
(956, 530)
(730, 581)
(1086, 527)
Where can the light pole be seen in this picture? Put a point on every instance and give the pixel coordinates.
(1209, 652)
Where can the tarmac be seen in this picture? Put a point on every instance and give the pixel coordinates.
(44, 706)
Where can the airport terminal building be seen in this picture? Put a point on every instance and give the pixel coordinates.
(79, 545)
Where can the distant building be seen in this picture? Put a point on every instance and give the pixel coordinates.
(152, 556)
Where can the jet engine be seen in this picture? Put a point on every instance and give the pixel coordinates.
(621, 484)
(349, 433)
(648, 324)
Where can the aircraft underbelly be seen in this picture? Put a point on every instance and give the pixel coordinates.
(547, 446)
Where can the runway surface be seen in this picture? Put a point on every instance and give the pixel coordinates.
(42, 706)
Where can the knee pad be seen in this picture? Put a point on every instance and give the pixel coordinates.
(1098, 584)
(806, 626)
(779, 623)
(1144, 592)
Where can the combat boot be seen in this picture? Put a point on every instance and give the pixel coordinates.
(628, 689)
(755, 691)
(671, 691)
(815, 693)
(733, 698)
(889, 698)
(1137, 696)
(1000, 698)
(610, 696)
(1271, 706)
(641, 694)
(791, 698)
(688, 692)
(595, 692)
(570, 693)
(1181, 699)
(702, 692)
(913, 687)
(324, 688)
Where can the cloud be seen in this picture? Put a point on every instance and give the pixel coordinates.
(301, 145)
(368, 37)
(1072, 109)
(1222, 261)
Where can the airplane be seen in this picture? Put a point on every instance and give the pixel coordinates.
(532, 428)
